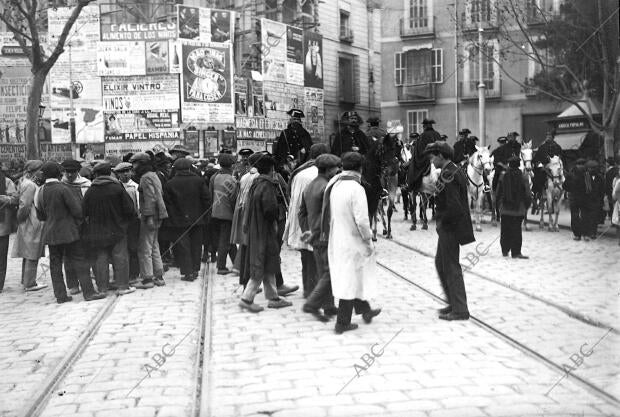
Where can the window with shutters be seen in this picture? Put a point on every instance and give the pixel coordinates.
(490, 70)
(348, 75)
(437, 65)
(480, 13)
(399, 69)
(414, 120)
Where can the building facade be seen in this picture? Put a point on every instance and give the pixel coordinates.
(431, 65)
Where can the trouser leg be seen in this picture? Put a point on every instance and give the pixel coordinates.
(75, 254)
(441, 271)
(120, 263)
(4, 251)
(182, 254)
(321, 296)
(575, 219)
(158, 265)
(251, 289)
(405, 196)
(29, 272)
(361, 306)
(308, 271)
(102, 270)
(223, 244)
(269, 286)
(145, 250)
(452, 272)
(195, 249)
(71, 275)
(56, 260)
(504, 238)
(517, 235)
(345, 310)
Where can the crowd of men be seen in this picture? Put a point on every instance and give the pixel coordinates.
(155, 209)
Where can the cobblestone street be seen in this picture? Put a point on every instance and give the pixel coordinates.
(542, 342)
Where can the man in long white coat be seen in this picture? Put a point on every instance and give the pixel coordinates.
(351, 252)
(298, 182)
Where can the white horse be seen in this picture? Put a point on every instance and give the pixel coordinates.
(526, 169)
(552, 193)
(480, 164)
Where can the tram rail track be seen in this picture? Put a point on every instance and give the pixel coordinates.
(44, 392)
(480, 322)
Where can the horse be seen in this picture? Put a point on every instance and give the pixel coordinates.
(552, 194)
(480, 164)
(427, 198)
(527, 169)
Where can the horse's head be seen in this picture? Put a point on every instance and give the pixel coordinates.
(484, 159)
(556, 170)
(526, 158)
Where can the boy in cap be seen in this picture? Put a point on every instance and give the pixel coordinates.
(108, 210)
(61, 211)
(263, 254)
(152, 213)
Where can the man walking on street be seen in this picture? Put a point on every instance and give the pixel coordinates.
(61, 211)
(152, 213)
(223, 188)
(310, 221)
(123, 172)
(187, 201)
(454, 228)
(351, 253)
(108, 210)
(263, 258)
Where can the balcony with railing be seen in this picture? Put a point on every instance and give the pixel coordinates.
(346, 34)
(487, 19)
(417, 27)
(468, 90)
(529, 88)
(424, 93)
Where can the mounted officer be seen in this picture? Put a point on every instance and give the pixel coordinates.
(351, 138)
(294, 141)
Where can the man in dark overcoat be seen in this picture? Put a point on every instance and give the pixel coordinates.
(454, 228)
(294, 141)
(464, 147)
(263, 248)
(420, 164)
(546, 150)
(350, 138)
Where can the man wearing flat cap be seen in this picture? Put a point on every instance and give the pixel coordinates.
(223, 188)
(294, 140)
(187, 199)
(309, 215)
(28, 243)
(420, 164)
(242, 166)
(375, 132)
(350, 138)
(454, 228)
(108, 211)
(124, 173)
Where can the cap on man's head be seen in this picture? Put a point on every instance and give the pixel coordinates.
(439, 148)
(296, 113)
(502, 139)
(226, 160)
(414, 135)
(140, 157)
(102, 168)
(513, 134)
(327, 161)
(591, 164)
(352, 161)
(473, 138)
(51, 169)
(580, 161)
(180, 149)
(374, 121)
(182, 164)
(71, 165)
(245, 152)
(33, 165)
(264, 162)
(428, 122)
(352, 118)
(122, 167)
(318, 149)
(444, 137)
(465, 131)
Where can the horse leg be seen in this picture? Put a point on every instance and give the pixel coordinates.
(423, 208)
(414, 207)
(478, 211)
(405, 196)
(373, 226)
(390, 211)
(550, 210)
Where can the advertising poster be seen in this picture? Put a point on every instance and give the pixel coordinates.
(241, 96)
(138, 31)
(192, 139)
(121, 58)
(56, 151)
(14, 90)
(281, 97)
(158, 57)
(206, 25)
(175, 61)
(255, 145)
(207, 83)
(294, 56)
(314, 111)
(9, 46)
(229, 140)
(141, 108)
(211, 143)
(313, 61)
(258, 128)
(75, 74)
(273, 50)
(123, 148)
(11, 153)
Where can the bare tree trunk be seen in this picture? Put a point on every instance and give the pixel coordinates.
(32, 123)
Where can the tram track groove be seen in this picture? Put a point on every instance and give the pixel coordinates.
(569, 312)
(203, 379)
(42, 394)
(584, 383)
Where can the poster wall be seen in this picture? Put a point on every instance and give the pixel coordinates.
(14, 90)
(141, 108)
(205, 25)
(121, 58)
(281, 97)
(138, 31)
(315, 115)
(313, 61)
(207, 83)
(294, 56)
(273, 50)
(75, 73)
